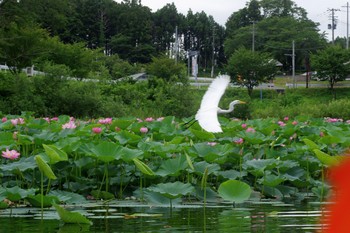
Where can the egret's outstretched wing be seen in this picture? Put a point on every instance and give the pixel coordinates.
(207, 113)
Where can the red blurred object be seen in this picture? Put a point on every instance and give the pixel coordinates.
(337, 220)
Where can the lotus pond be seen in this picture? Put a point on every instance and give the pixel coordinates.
(124, 216)
(160, 162)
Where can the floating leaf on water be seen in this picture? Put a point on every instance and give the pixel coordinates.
(71, 217)
(35, 201)
(146, 215)
(97, 194)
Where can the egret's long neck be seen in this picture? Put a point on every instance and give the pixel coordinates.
(230, 108)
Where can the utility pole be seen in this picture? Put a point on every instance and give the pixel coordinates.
(333, 25)
(253, 37)
(213, 55)
(347, 25)
(293, 64)
(176, 44)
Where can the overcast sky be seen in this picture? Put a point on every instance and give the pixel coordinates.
(318, 10)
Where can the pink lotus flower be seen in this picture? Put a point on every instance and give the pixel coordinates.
(54, 118)
(47, 119)
(332, 120)
(97, 130)
(10, 154)
(143, 129)
(105, 121)
(139, 120)
(281, 123)
(117, 129)
(160, 118)
(149, 119)
(286, 118)
(239, 141)
(321, 134)
(4, 119)
(212, 143)
(17, 121)
(250, 130)
(69, 125)
(244, 126)
(294, 123)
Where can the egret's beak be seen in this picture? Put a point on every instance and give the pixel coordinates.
(242, 102)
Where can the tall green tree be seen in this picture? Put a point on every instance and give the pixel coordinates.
(282, 8)
(244, 17)
(332, 64)
(21, 45)
(250, 68)
(165, 22)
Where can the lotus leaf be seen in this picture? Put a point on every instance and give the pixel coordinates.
(172, 190)
(235, 191)
(44, 167)
(71, 217)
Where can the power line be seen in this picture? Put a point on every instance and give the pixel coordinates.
(347, 25)
(333, 25)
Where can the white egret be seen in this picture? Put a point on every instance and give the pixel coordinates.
(207, 114)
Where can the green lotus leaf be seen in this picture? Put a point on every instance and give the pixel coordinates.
(143, 167)
(23, 139)
(97, 194)
(71, 217)
(16, 193)
(272, 180)
(172, 190)
(200, 167)
(68, 197)
(35, 201)
(44, 167)
(326, 159)
(127, 154)
(202, 135)
(312, 145)
(172, 167)
(6, 139)
(105, 151)
(55, 154)
(235, 191)
(23, 164)
(125, 137)
(121, 124)
(70, 144)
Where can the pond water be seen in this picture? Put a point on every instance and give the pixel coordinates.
(253, 217)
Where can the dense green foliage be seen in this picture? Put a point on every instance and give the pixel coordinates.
(156, 97)
(108, 158)
(51, 95)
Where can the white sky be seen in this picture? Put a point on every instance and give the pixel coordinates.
(318, 10)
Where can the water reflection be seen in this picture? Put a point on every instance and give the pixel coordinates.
(248, 218)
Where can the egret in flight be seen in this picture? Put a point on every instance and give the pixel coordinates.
(207, 114)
